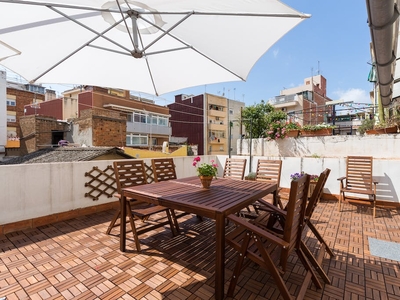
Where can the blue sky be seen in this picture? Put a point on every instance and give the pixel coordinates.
(334, 42)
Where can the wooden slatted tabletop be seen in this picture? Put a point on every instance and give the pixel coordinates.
(225, 196)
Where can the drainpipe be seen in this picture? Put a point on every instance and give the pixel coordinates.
(382, 20)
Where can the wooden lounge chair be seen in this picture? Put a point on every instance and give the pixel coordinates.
(234, 168)
(269, 249)
(358, 180)
(129, 173)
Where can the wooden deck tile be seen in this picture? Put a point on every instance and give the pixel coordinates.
(75, 259)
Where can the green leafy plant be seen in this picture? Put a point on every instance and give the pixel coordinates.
(251, 176)
(205, 169)
(293, 125)
(318, 127)
(366, 124)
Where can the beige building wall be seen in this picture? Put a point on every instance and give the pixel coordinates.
(220, 111)
(217, 124)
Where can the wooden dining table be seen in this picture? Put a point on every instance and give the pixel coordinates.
(224, 197)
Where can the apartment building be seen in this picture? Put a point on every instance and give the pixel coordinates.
(305, 104)
(204, 120)
(146, 123)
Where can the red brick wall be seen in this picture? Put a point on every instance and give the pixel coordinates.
(108, 127)
(37, 132)
(22, 98)
(52, 108)
(187, 120)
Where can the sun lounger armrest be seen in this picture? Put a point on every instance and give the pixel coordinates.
(341, 178)
(272, 238)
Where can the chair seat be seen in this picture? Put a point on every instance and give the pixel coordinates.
(148, 210)
(358, 191)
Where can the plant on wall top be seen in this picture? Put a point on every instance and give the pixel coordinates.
(318, 127)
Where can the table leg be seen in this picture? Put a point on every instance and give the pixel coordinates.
(122, 231)
(220, 256)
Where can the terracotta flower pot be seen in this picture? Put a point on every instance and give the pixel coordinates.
(206, 181)
(392, 129)
(292, 133)
(319, 132)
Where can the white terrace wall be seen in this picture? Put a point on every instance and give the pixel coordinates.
(35, 190)
(378, 146)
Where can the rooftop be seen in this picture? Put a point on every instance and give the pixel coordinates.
(75, 259)
(65, 154)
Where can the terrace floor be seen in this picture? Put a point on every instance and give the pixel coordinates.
(77, 260)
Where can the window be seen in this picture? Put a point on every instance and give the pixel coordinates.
(136, 140)
(231, 111)
(129, 118)
(162, 121)
(11, 118)
(139, 118)
(11, 102)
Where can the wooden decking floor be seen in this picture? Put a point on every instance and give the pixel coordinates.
(77, 260)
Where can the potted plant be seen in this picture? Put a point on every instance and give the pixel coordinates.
(388, 126)
(251, 176)
(313, 181)
(292, 129)
(317, 130)
(206, 172)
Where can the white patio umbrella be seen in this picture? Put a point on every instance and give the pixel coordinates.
(154, 46)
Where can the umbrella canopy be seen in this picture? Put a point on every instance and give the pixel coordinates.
(154, 46)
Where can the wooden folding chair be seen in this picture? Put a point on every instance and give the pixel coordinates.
(129, 173)
(234, 168)
(163, 170)
(312, 203)
(271, 249)
(358, 180)
(269, 171)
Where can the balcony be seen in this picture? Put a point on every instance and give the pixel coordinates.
(284, 101)
(220, 126)
(216, 113)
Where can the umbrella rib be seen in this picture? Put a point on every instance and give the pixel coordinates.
(165, 32)
(79, 48)
(59, 5)
(188, 46)
(94, 31)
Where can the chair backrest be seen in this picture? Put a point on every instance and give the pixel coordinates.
(359, 172)
(234, 168)
(269, 170)
(317, 193)
(163, 169)
(295, 211)
(129, 173)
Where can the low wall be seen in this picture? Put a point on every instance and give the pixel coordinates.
(35, 190)
(378, 146)
(31, 191)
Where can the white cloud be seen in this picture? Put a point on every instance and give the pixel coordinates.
(275, 53)
(355, 95)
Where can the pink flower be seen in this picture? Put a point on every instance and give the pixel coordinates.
(194, 164)
(197, 158)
